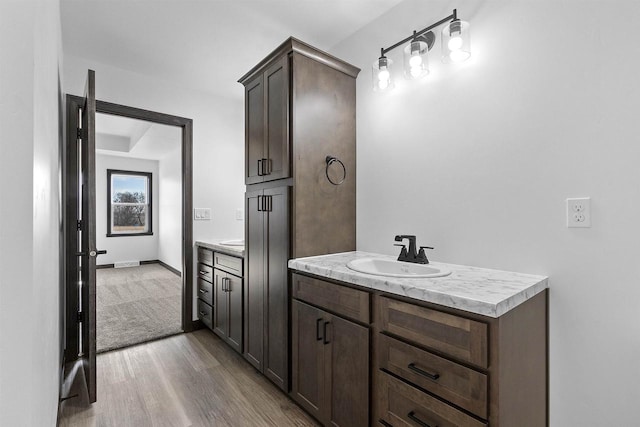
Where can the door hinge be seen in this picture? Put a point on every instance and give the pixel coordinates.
(80, 317)
(79, 224)
(79, 133)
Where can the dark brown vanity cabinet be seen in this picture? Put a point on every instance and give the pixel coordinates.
(266, 122)
(299, 109)
(205, 286)
(227, 320)
(266, 298)
(220, 295)
(330, 353)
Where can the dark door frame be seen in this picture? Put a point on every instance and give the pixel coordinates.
(69, 189)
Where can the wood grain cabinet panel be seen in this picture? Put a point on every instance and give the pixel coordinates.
(254, 129)
(455, 336)
(308, 358)
(330, 366)
(205, 272)
(228, 318)
(205, 313)
(255, 280)
(205, 291)
(205, 256)
(228, 263)
(347, 302)
(458, 384)
(267, 124)
(403, 405)
(267, 298)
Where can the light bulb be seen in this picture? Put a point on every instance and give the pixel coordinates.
(415, 61)
(384, 75)
(416, 71)
(455, 43)
(383, 84)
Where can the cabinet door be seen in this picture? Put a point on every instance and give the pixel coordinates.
(220, 302)
(234, 291)
(276, 109)
(276, 293)
(308, 354)
(254, 280)
(347, 375)
(254, 130)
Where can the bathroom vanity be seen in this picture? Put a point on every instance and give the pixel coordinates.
(220, 290)
(467, 349)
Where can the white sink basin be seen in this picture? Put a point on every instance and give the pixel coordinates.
(236, 242)
(392, 268)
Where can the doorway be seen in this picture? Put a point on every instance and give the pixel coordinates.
(80, 258)
(138, 223)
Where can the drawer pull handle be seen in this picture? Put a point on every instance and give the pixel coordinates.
(204, 273)
(422, 372)
(203, 314)
(324, 332)
(202, 291)
(412, 417)
(318, 336)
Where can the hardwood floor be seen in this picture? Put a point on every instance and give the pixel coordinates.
(191, 379)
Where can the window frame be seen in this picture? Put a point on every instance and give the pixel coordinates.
(149, 203)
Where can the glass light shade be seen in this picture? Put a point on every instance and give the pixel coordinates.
(456, 46)
(381, 74)
(416, 60)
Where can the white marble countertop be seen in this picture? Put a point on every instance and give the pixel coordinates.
(477, 290)
(215, 245)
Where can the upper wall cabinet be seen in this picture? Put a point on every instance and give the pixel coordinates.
(298, 100)
(267, 124)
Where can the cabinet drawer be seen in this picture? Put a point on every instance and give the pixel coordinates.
(205, 313)
(342, 300)
(205, 272)
(403, 405)
(458, 384)
(228, 263)
(455, 336)
(205, 256)
(205, 291)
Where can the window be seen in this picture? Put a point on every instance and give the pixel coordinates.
(128, 203)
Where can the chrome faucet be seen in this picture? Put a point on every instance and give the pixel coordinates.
(412, 255)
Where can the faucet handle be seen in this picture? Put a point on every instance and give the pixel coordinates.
(422, 257)
(403, 253)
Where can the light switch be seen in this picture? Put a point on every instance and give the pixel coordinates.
(202, 214)
(239, 214)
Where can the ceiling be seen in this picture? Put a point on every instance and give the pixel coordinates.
(125, 137)
(206, 44)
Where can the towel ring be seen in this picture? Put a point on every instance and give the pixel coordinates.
(330, 160)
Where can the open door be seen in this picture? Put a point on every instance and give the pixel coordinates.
(86, 257)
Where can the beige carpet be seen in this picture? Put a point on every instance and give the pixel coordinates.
(136, 304)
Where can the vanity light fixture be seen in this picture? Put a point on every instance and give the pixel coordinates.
(455, 48)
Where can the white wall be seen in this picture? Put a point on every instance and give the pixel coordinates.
(128, 248)
(170, 209)
(30, 289)
(478, 160)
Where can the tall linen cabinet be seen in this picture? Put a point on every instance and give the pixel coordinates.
(299, 113)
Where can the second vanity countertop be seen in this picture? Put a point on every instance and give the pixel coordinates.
(214, 245)
(477, 290)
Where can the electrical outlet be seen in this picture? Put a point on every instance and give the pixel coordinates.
(239, 214)
(579, 212)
